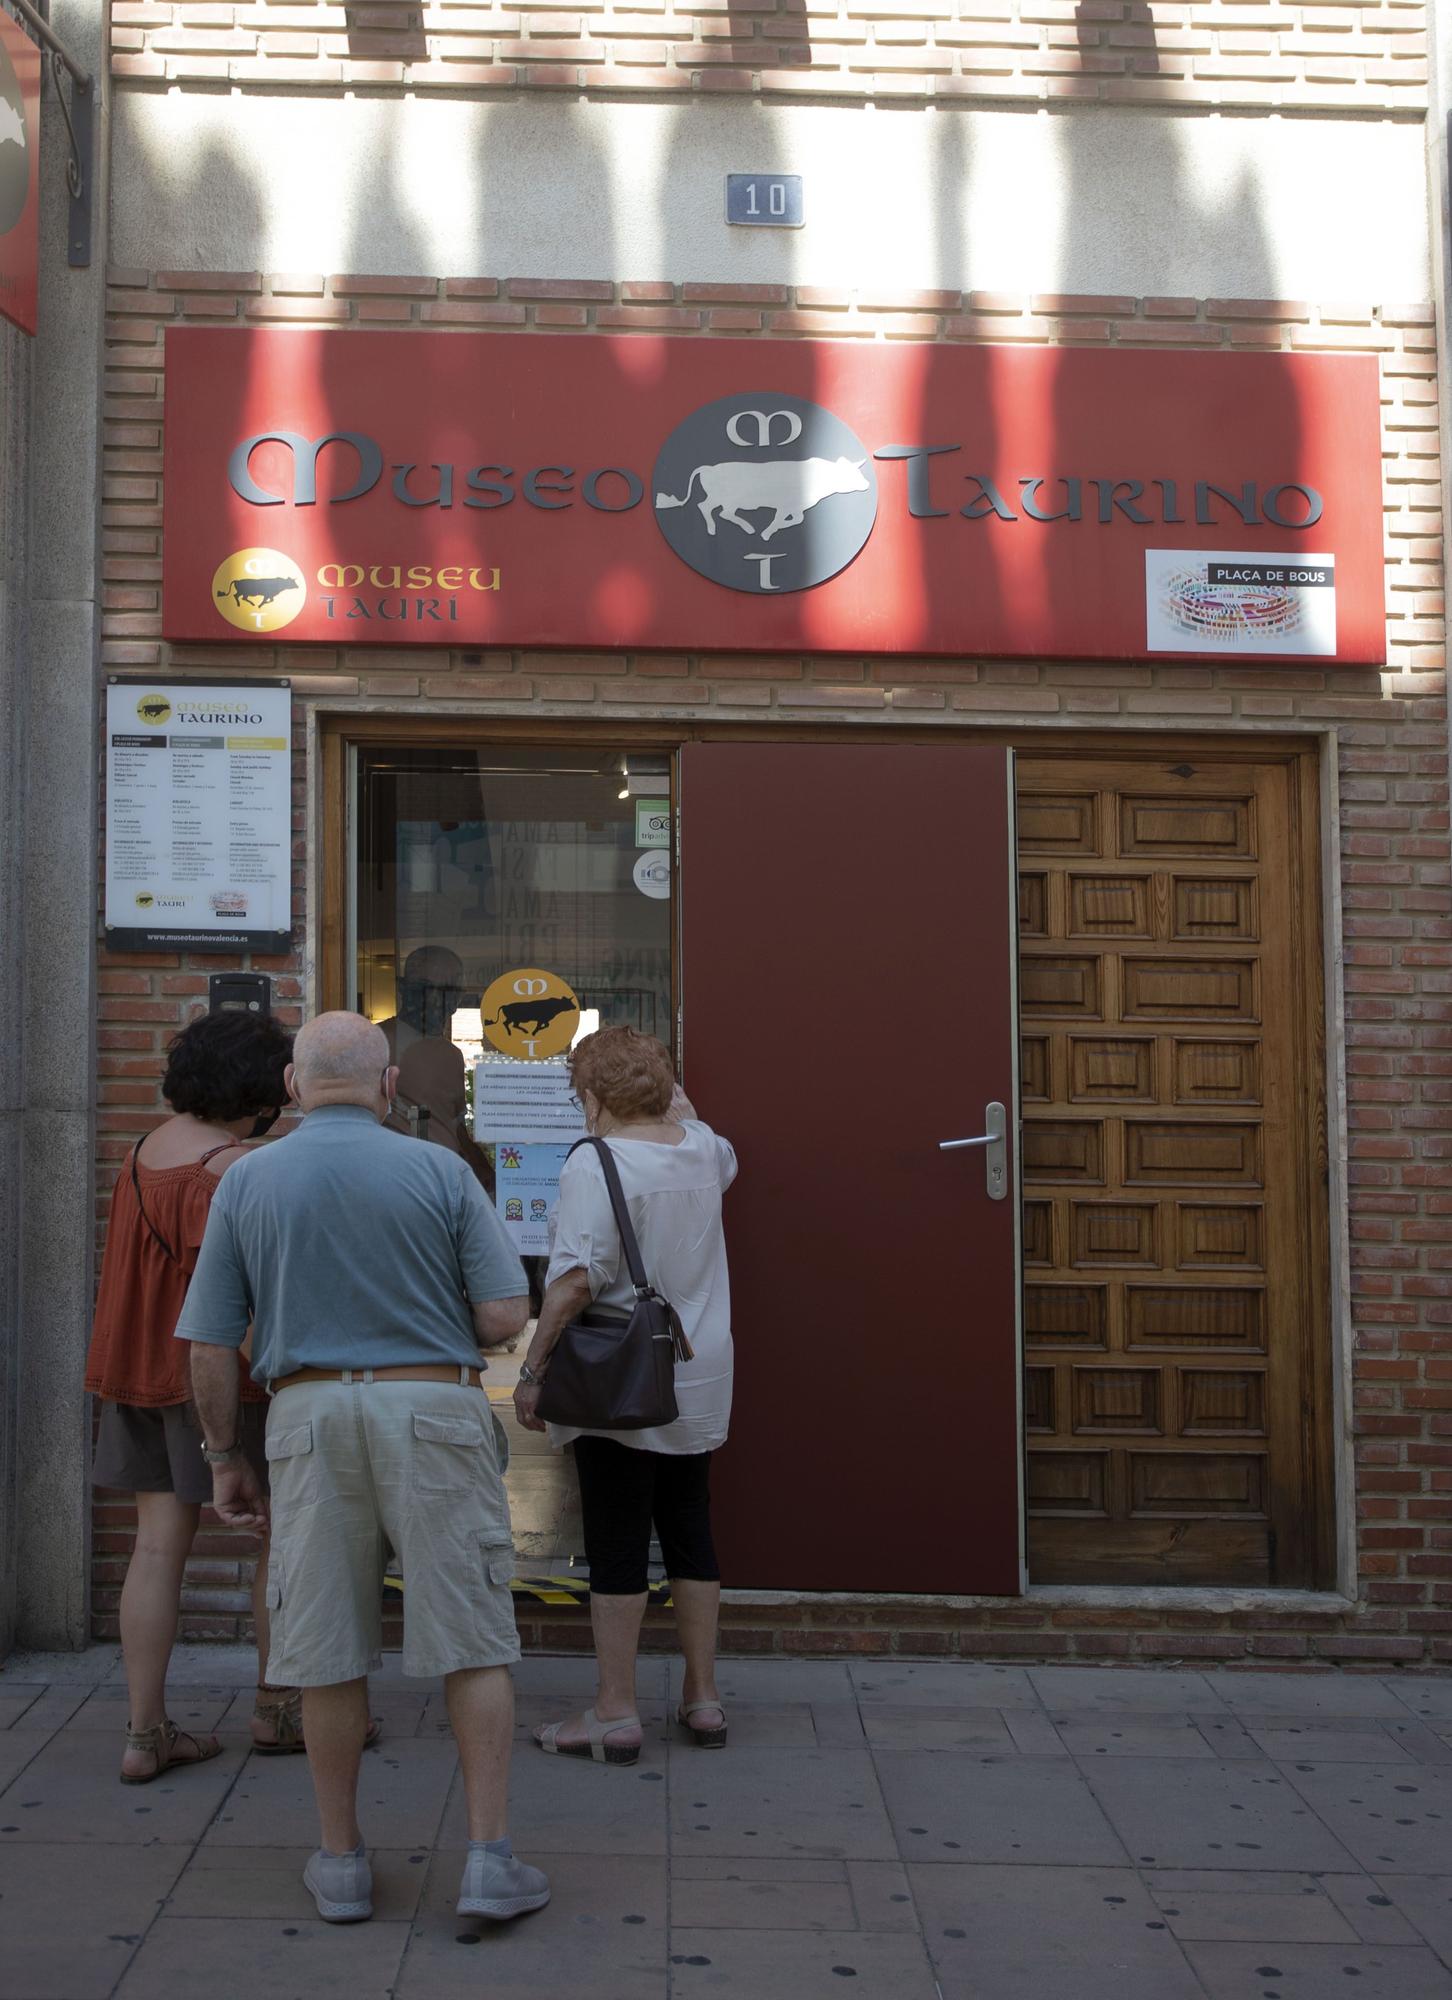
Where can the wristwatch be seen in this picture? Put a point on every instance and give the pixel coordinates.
(226, 1457)
(528, 1376)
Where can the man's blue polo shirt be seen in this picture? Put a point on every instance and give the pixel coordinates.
(347, 1246)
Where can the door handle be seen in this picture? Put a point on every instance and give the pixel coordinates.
(995, 1157)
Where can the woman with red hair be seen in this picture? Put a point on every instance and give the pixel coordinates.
(674, 1171)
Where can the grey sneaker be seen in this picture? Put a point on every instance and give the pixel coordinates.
(341, 1886)
(500, 1886)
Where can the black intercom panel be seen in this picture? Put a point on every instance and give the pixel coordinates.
(240, 993)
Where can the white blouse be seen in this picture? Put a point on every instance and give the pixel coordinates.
(674, 1197)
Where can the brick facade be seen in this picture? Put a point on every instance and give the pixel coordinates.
(1390, 735)
(1363, 55)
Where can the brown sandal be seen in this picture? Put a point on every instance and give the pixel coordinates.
(161, 1741)
(713, 1737)
(284, 1712)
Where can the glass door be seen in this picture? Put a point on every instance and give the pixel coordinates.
(505, 902)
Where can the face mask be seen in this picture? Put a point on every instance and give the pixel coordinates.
(263, 1123)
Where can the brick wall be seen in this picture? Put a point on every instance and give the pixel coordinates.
(1390, 731)
(1366, 55)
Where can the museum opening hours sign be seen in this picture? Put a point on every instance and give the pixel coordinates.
(198, 815)
(770, 496)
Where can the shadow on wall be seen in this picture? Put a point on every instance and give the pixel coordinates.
(637, 213)
(393, 32)
(204, 233)
(1197, 210)
(383, 216)
(395, 223)
(752, 34)
(203, 242)
(1132, 24)
(767, 36)
(941, 490)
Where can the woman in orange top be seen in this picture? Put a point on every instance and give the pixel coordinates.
(224, 1083)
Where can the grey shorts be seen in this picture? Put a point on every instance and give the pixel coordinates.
(357, 1467)
(160, 1451)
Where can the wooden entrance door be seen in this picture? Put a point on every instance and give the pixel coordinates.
(847, 1000)
(1177, 1347)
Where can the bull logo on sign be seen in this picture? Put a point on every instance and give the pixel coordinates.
(799, 484)
(532, 1017)
(258, 591)
(789, 486)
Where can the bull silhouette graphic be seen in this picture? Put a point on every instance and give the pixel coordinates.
(531, 1017)
(789, 486)
(258, 591)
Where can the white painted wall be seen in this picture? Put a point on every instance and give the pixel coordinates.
(1080, 200)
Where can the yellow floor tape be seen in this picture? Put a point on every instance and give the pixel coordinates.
(556, 1589)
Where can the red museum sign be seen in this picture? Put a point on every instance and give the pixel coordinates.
(527, 490)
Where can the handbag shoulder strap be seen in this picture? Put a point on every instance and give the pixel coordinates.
(162, 1243)
(628, 1241)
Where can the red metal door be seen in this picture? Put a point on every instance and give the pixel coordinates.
(847, 966)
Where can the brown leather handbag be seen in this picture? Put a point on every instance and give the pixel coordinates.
(614, 1370)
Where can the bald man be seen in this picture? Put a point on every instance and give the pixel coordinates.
(372, 1271)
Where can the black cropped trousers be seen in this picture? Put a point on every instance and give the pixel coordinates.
(624, 1491)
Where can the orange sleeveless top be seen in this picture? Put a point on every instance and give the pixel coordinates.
(133, 1356)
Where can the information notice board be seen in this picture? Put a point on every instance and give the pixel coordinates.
(198, 815)
(529, 1114)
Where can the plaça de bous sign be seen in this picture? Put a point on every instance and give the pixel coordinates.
(516, 490)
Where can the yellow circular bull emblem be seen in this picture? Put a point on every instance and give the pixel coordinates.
(259, 590)
(530, 1014)
(154, 710)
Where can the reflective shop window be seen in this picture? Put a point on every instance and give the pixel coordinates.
(506, 902)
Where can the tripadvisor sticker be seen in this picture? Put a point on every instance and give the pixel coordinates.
(529, 1014)
(652, 822)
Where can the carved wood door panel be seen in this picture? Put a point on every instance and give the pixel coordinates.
(1176, 1345)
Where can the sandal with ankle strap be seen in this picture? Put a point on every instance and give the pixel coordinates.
(284, 1712)
(161, 1741)
(713, 1737)
(595, 1746)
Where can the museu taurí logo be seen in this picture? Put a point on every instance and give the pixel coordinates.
(765, 494)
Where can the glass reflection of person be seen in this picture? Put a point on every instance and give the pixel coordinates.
(432, 1103)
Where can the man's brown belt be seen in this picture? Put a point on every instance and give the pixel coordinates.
(463, 1378)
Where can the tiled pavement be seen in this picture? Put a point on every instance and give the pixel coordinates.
(922, 1830)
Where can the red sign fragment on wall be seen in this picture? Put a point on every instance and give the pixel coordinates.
(19, 173)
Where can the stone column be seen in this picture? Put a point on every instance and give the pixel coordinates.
(57, 711)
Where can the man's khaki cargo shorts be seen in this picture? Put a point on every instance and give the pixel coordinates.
(359, 1466)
